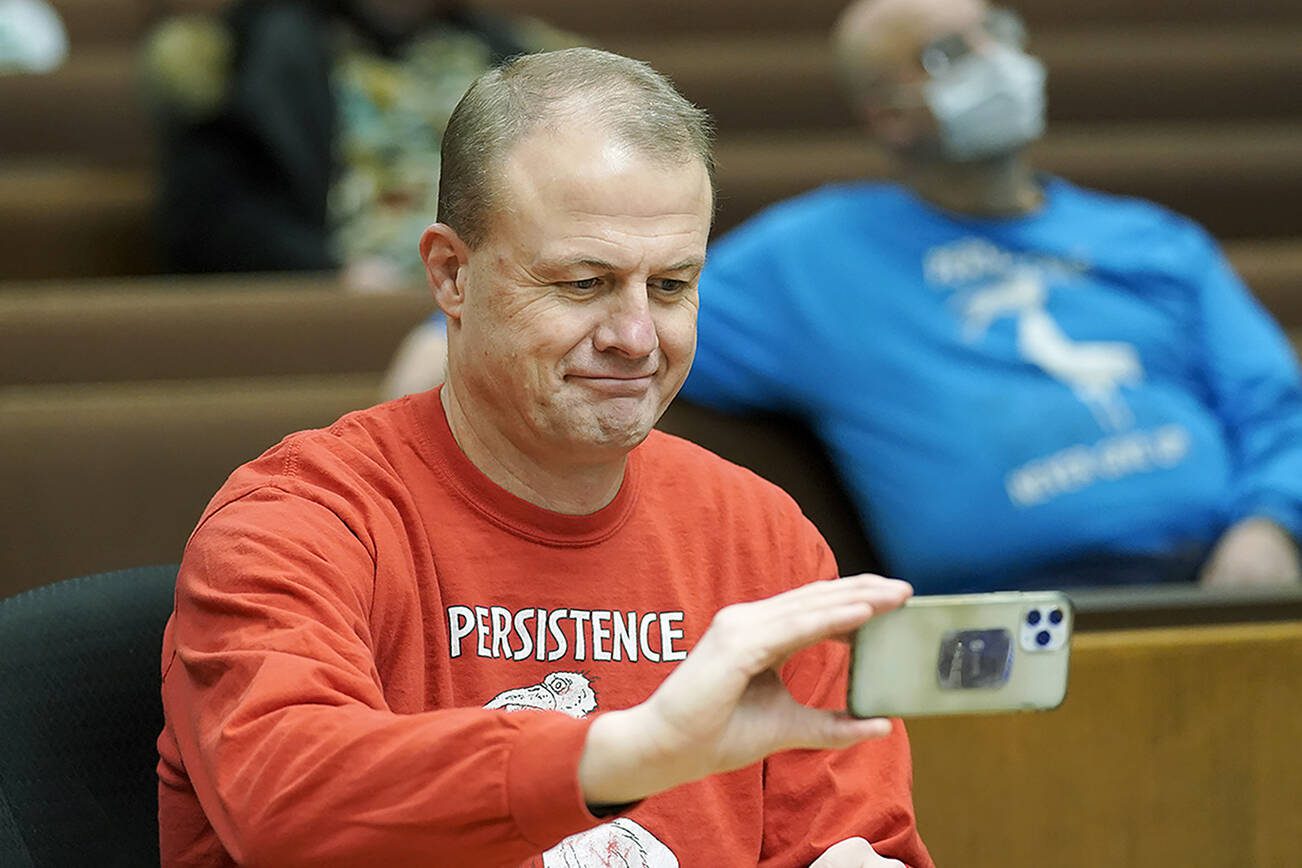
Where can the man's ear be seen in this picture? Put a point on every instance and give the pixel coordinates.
(446, 259)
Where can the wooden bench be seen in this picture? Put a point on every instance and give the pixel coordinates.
(1173, 747)
(90, 109)
(1168, 72)
(226, 326)
(1130, 608)
(93, 108)
(1240, 180)
(61, 219)
(1273, 270)
(197, 327)
(732, 16)
(97, 477)
(764, 68)
(94, 22)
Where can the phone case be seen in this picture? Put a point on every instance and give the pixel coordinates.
(962, 654)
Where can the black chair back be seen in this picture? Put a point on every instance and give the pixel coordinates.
(80, 713)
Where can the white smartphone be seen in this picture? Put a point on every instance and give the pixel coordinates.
(962, 654)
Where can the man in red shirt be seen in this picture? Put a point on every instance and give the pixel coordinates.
(505, 622)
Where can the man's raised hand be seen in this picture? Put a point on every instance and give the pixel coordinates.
(725, 706)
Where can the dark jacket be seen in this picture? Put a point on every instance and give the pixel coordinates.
(245, 189)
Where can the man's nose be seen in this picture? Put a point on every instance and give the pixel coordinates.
(627, 326)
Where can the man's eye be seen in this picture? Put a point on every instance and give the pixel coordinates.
(585, 283)
(670, 286)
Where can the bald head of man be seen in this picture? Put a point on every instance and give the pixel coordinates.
(875, 38)
(941, 80)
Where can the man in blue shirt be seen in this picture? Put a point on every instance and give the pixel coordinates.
(1022, 382)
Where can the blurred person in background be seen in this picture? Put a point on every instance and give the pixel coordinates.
(1023, 383)
(304, 134)
(32, 37)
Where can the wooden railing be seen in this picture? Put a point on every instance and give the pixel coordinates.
(1174, 747)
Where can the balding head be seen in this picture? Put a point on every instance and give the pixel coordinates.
(577, 88)
(876, 40)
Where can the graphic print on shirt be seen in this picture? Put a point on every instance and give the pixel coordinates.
(621, 843)
(604, 635)
(1095, 371)
(567, 692)
(991, 284)
(616, 844)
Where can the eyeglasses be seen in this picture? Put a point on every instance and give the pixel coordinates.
(1000, 25)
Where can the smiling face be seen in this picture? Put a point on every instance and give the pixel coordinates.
(578, 319)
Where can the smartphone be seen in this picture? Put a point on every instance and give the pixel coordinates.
(962, 654)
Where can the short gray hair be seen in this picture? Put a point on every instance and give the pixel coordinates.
(631, 100)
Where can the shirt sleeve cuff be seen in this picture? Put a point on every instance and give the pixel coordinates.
(543, 779)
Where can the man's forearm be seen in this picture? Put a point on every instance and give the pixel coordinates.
(340, 784)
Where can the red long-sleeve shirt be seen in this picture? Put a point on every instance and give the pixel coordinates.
(379, 657)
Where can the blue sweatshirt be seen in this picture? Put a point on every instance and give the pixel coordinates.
(1046, 399)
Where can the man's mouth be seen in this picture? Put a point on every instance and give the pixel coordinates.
(614, 384)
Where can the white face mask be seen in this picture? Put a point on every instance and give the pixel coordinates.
(988, 103)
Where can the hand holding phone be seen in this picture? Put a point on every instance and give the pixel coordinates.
(962, 654)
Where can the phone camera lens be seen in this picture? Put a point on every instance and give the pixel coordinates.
(1042, 638)
(1055, 616)
(1033, 617)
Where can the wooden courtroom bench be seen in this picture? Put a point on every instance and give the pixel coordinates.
(60, 219)
(1239, 180)
(689, 16)
(94, 22)
(233, 326)
(92, 106)
(90, 109)
(1149, 81)
(1273, 270)
(1176, 605)
(179, 328)
(1174, 747)
(1170, 71)
(97, 477)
